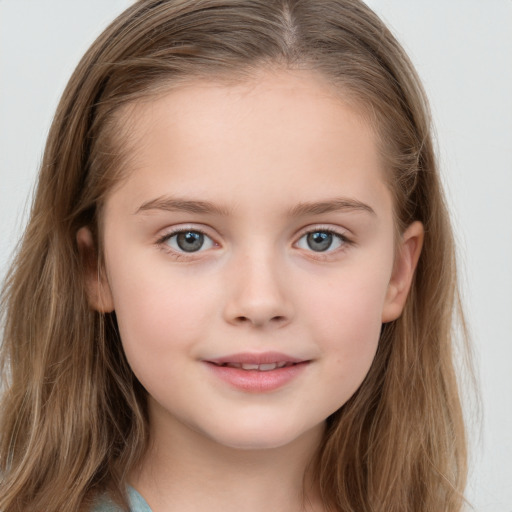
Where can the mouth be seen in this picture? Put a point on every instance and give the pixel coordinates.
(264, 367)
(258, 373)
(262, 362)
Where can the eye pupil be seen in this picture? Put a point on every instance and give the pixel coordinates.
(190, 241)
(319, 241)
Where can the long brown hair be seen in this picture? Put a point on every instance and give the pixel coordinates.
(74, 420)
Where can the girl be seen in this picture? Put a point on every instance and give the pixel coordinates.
(236, 288)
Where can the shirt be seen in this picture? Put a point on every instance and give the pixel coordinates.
(136, 501)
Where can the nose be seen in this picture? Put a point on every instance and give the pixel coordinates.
(258, 294)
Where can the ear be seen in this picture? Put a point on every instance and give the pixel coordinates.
(407, 257)
(96, 284)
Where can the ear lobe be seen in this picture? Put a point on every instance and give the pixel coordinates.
(98, 290)
(403, 272)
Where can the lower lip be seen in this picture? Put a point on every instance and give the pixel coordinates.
(255, 381)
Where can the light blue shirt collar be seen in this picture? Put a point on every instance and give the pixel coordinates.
(136, 501)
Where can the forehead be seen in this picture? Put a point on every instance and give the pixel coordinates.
(288, 130)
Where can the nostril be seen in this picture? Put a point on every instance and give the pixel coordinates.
(278, 319)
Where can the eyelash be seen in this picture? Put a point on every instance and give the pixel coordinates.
(344, 241)
(162, 242)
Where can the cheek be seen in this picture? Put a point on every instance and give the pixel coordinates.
(346, 319)
(351, 301)
(158, 313)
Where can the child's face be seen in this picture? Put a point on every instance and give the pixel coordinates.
(254, 226)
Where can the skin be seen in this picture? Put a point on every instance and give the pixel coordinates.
(260, 153)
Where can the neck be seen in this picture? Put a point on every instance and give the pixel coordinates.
(185, 471)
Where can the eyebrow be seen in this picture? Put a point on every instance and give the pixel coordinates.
(332, 205)
(206, 207)
(182, 205)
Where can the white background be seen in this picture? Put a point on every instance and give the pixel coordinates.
(463, 52)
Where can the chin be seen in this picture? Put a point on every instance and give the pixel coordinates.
(267, 437)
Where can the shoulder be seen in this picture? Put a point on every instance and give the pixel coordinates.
(136, 501)
(103, 504)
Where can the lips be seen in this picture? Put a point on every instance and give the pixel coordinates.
(257, 373)
(265, 367)
(249, 358)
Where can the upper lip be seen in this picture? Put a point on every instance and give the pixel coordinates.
(256, 358)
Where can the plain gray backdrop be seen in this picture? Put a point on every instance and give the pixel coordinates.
(463, 52)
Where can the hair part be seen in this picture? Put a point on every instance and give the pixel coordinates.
(74, 416)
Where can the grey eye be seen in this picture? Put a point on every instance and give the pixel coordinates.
(320, 241)
(189, 241)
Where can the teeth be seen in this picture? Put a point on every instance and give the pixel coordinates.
(233, 365)
(266, 367)
(247, 366)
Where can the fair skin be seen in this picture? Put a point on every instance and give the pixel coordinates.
(254, 220)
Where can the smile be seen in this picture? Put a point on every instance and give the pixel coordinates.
(265, 367)
(257, 373)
